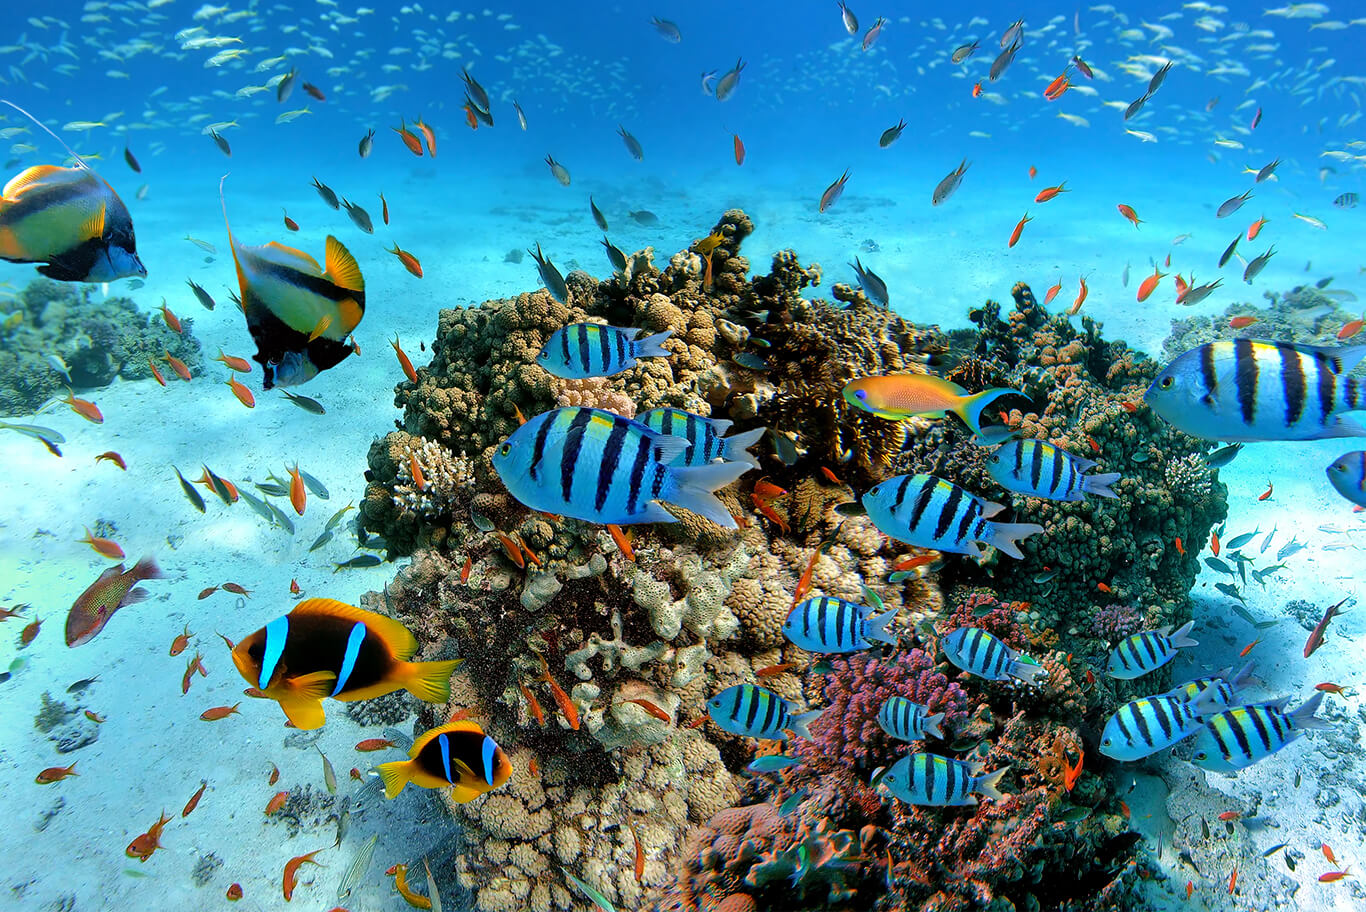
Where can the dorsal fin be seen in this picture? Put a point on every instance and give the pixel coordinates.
(295, 252)
(342, 268)
(431, 735)
(27, 178)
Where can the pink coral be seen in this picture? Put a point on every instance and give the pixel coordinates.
(1114, 622)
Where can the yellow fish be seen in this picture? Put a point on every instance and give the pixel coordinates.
(899, 396)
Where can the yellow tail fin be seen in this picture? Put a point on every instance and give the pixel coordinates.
(395, 776)
(429, 681)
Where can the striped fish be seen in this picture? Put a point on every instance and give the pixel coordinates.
(456, 754)
(1147, 651)
(1239, 737)
(749, 710)
(1347, 475)
(1245, 389)
(832, 625)
(907, 720)
(929, 512)
(582, 350)
(596, 466)
(1040, 469)
(977, 652)
(934, 781)
(1226, 685)
(1141, 728)
(705, 435)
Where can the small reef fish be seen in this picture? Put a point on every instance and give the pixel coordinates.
(950, 183)
(550, 276)
(758, 713)
(833, 192)
(1141, 728)
(891, 134)
(56, 774)
(705, 437)
(291, 873)
(599, 467)
(102, 546)
(582, 350)
(143, 846)
(871, 283)
(773, 763)
(632, 145)
(112, 591)
(929, 512)
(1039, 469)
(907, 720)
(1316, 635)
(558, 171)
(900, 396)
(977, 652)
(933, 781)
(1233, 204)
(325, 648)
(409, 261)
(826, 624)
(457, 755)
(327, 194)
(729, 81)
(1347, 475)
(1237, 738)
(1147, 651)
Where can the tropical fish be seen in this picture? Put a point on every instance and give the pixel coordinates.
(1141, 728)
(950, 183)
(582, 350)
(144, 845)
(833, 192)
(632, 146)
(934, 781)
(891, 134)
(550, 276)
(704, 435)
(325, 648)
(285, 296)
(831, 625)
(1245, 389)
(1316, 635)
(596, 466)
(963, 52)
(457, 755)
(367, 143)
(1233, 204)
(907, 720)
(1223, 687)
(1346, 201)
(326, 193)
(1257, 265)
(900, 396)
(1040, 469)
(1147, 651)
(1347, 475)
(758, 713)
(112, 591)
(871, 283)
(55, 774)
(359, 216)
(772, 763)
(1002, 61)
(977, 652)
(1237, 738)
(928, 512)
(729, 81)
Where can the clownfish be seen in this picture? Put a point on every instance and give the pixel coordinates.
(326, 648)
(457, 755)
(299, 314)
(68, 219)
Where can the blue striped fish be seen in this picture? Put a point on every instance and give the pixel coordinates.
(596, 466)
(833, 625)
(934, 781)
(929, 512)
(582, 350)
(1039, 469)
(1141, 728)
(1347, 475)
(749, 710)
(1147, 651)
(977, 652)
(1225, 684)
(1245, 389)
(1239, 737)
(705, 435)
(907, 720)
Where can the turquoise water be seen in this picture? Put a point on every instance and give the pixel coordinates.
(810, 104)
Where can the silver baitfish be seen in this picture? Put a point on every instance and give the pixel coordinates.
(929, 512)
(706, 436)
(582, 350)
(907, 720)
(729, 81)
(550, 276)
(1040, 469)
(1243, 390)
(1237, 738)
(934, 781)
(871, 283)
(1147, 651)
(757, 713)
(826, 624)
(977, 652)
(1141, 728)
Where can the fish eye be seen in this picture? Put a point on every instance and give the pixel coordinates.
(1166, 382)
(505, 449)
(543, 356)
(861, 394)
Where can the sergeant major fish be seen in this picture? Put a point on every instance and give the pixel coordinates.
(705, 436)
(929, 512)
(1237, 738)
(826, 624)
(1147, 651)
(758, 713)
(977, 652)
(1141, 728)
(582, 350)
(1040, 469)
(907, 720)
(933, 781)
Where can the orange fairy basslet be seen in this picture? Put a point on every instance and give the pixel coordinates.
(113, 457)
(1149, 284)
(292, 872)
(194, 800)
(1328, 687)
(1214, 542)
(1242, 322)
(143, 846)
(511, 548)
(384, 207)
(772, 671)
(181, 369)
(290, 223)
(470, 119)
(403, 361)
(1256, 228)
(1266, 495)
(85, 408)
(409, 261)
(1350, 329)
(1232, 881)
(1105, 588)
(622, 540)
(241, 365)
(172, 321)
(566, 705)
(465, 570)
(1180, 548)
(1081, 298)
(276, 802)
(374, 744)
(739, 149)
(1129, 213)
(1227, 816)
(243, 394)
(1328, 852)
(56, 774)
(1332, 876)
(1048, 193)
(1019, 229)
(767, 490)
(640, 856)
(533, 705)
(1071, 773)
(156, 374)
(427, 134)
(298, 494)
(415, 470)
(102, 546)
(1052, 292)
(764, 507)
(977, 90)
(1056, 88)
(181, 641)
(219, 712)
(409, 138)
(650, 708)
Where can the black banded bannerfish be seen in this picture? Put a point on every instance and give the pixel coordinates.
(298, 313)
(1246, 390)
(934, 781)
(68, 219)
(325, 648)
(457, 755)
(1239, 737)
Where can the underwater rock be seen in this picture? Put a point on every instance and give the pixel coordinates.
(1305, 314)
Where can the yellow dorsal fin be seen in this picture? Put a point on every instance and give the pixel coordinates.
(400, 641)
(94, 226)
(450, 727)
(28, 177)
(342, 268)
(294, 252)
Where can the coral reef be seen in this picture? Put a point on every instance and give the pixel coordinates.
(97, 338)
(1306, 313)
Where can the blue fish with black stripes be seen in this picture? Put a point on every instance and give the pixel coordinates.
(977, 652)
(707, 436)
(599, 467)
(907, 720)
(934, 781)
(583, 350)
(1225, 686)
(833, 625)
(1039, 469)
(457, 756)
(1246, 389)
(1147, 651)
(929, 512)
(325, 648)
(1237, 738)
(746, 709)
(1141, 728)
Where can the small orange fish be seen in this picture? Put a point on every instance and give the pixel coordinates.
(374, 744)
(1091, 441)
(1256, 228)
(355, 774)
(1350, 329)
(567, 707)
(103, 546)
(1329, 688)
(1033, 172)
(241, 365)
(206, 593)
(650, 708)
(427, 134)
(56, 774)
(85, 408)
(510, 547)
(1230, 815)
(292, 871)
(255, 693)
(1242, 322)
(243, 394)
(1248, 647)
(1052, 292)
(830, 476)
(1214, 543)
(156, 374)
(113, 457)
(533, 704)
(298, 494)
(415, 470)
(409, 261)
(180, 642)
(1267, 493)
(1047, 193)
(768, 490)
(1190, 888)
(1124, 809)
(404, 363)
(465, 570)
(697, 723)
(1129, 213)
(294, 588)
(234, 892)
(1081, 298)
(533, 767)
(912, 563)
(189, 676)
(1056, 88)
(409, 139)
(1180, 548)
(623, 541)
(1128, 406)
(94, 717)
(771, 671)
(470, 118)
(1071, 774)
(1328, 853)
(384, 206)
(1181, 287)
(172, 321)
(1169, 259)
(180, 368)
(977, 90)
(640, 856)
(1232, 881)
(142, 847)
(1332, 876)
(804, 583)
(219, 712)
(236, 589)
(1019, 229)
(274, 774)
(1104, 588)
(276, 802)
(763, 507)
(1149, 285)
(194, 800)
(290, 223)
(29, 633)
(739, 149)
(528, 553)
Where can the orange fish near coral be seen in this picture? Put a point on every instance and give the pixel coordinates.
(181, 641)
(112, 591)
(1072, 773)
(1081, 298)
(566, 705)
(292, 866)
(622, 540)
(243, 394)
(172, 321)
(650, 708)
(194, 800)
(771, 671)
(85, 408)
(374, 744)
(1052, 292)
(181, 369)
(1350, 329)
(533, 705)
(403, 361)
(56, 774)
(103, 546)
(1242, 322)
(142, 847)
(276, 802)
(1180, 548)
(1149, 285)
(1129, 213)
(219, 712)
(241, 365)
(1019, 229)
(156, 374)
(290, 223)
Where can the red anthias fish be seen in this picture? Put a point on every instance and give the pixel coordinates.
(108, 594)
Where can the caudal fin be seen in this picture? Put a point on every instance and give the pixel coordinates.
(395, 776)
(146, 569)
(652, 346)
(971, 408)
(877, 628)
(932, 725)
(802, 721)
(986, 785)
(734, 447)
(429, 681)
(1303, 715)
(1004, 536)
(691, 489)
(1182, 636)
(1100, 484)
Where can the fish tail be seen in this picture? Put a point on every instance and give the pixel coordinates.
(1004, 536)
(971, 408)
(1303, 715)
(801, 722)
(1100, 484)
(146, 569)
(1027, 672)
(395, 776)
(877, 628)
(428, 681)
(735, 446)
(1241, 677)
(986, 785)
(691, 489)
(652, 346)
(932, 725)
(1182, 636)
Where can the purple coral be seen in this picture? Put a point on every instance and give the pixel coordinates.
(1115, 622)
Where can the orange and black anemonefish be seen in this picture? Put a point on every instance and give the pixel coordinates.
(326, 648)
(298, 313)
(68, 219)
(457, 755)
